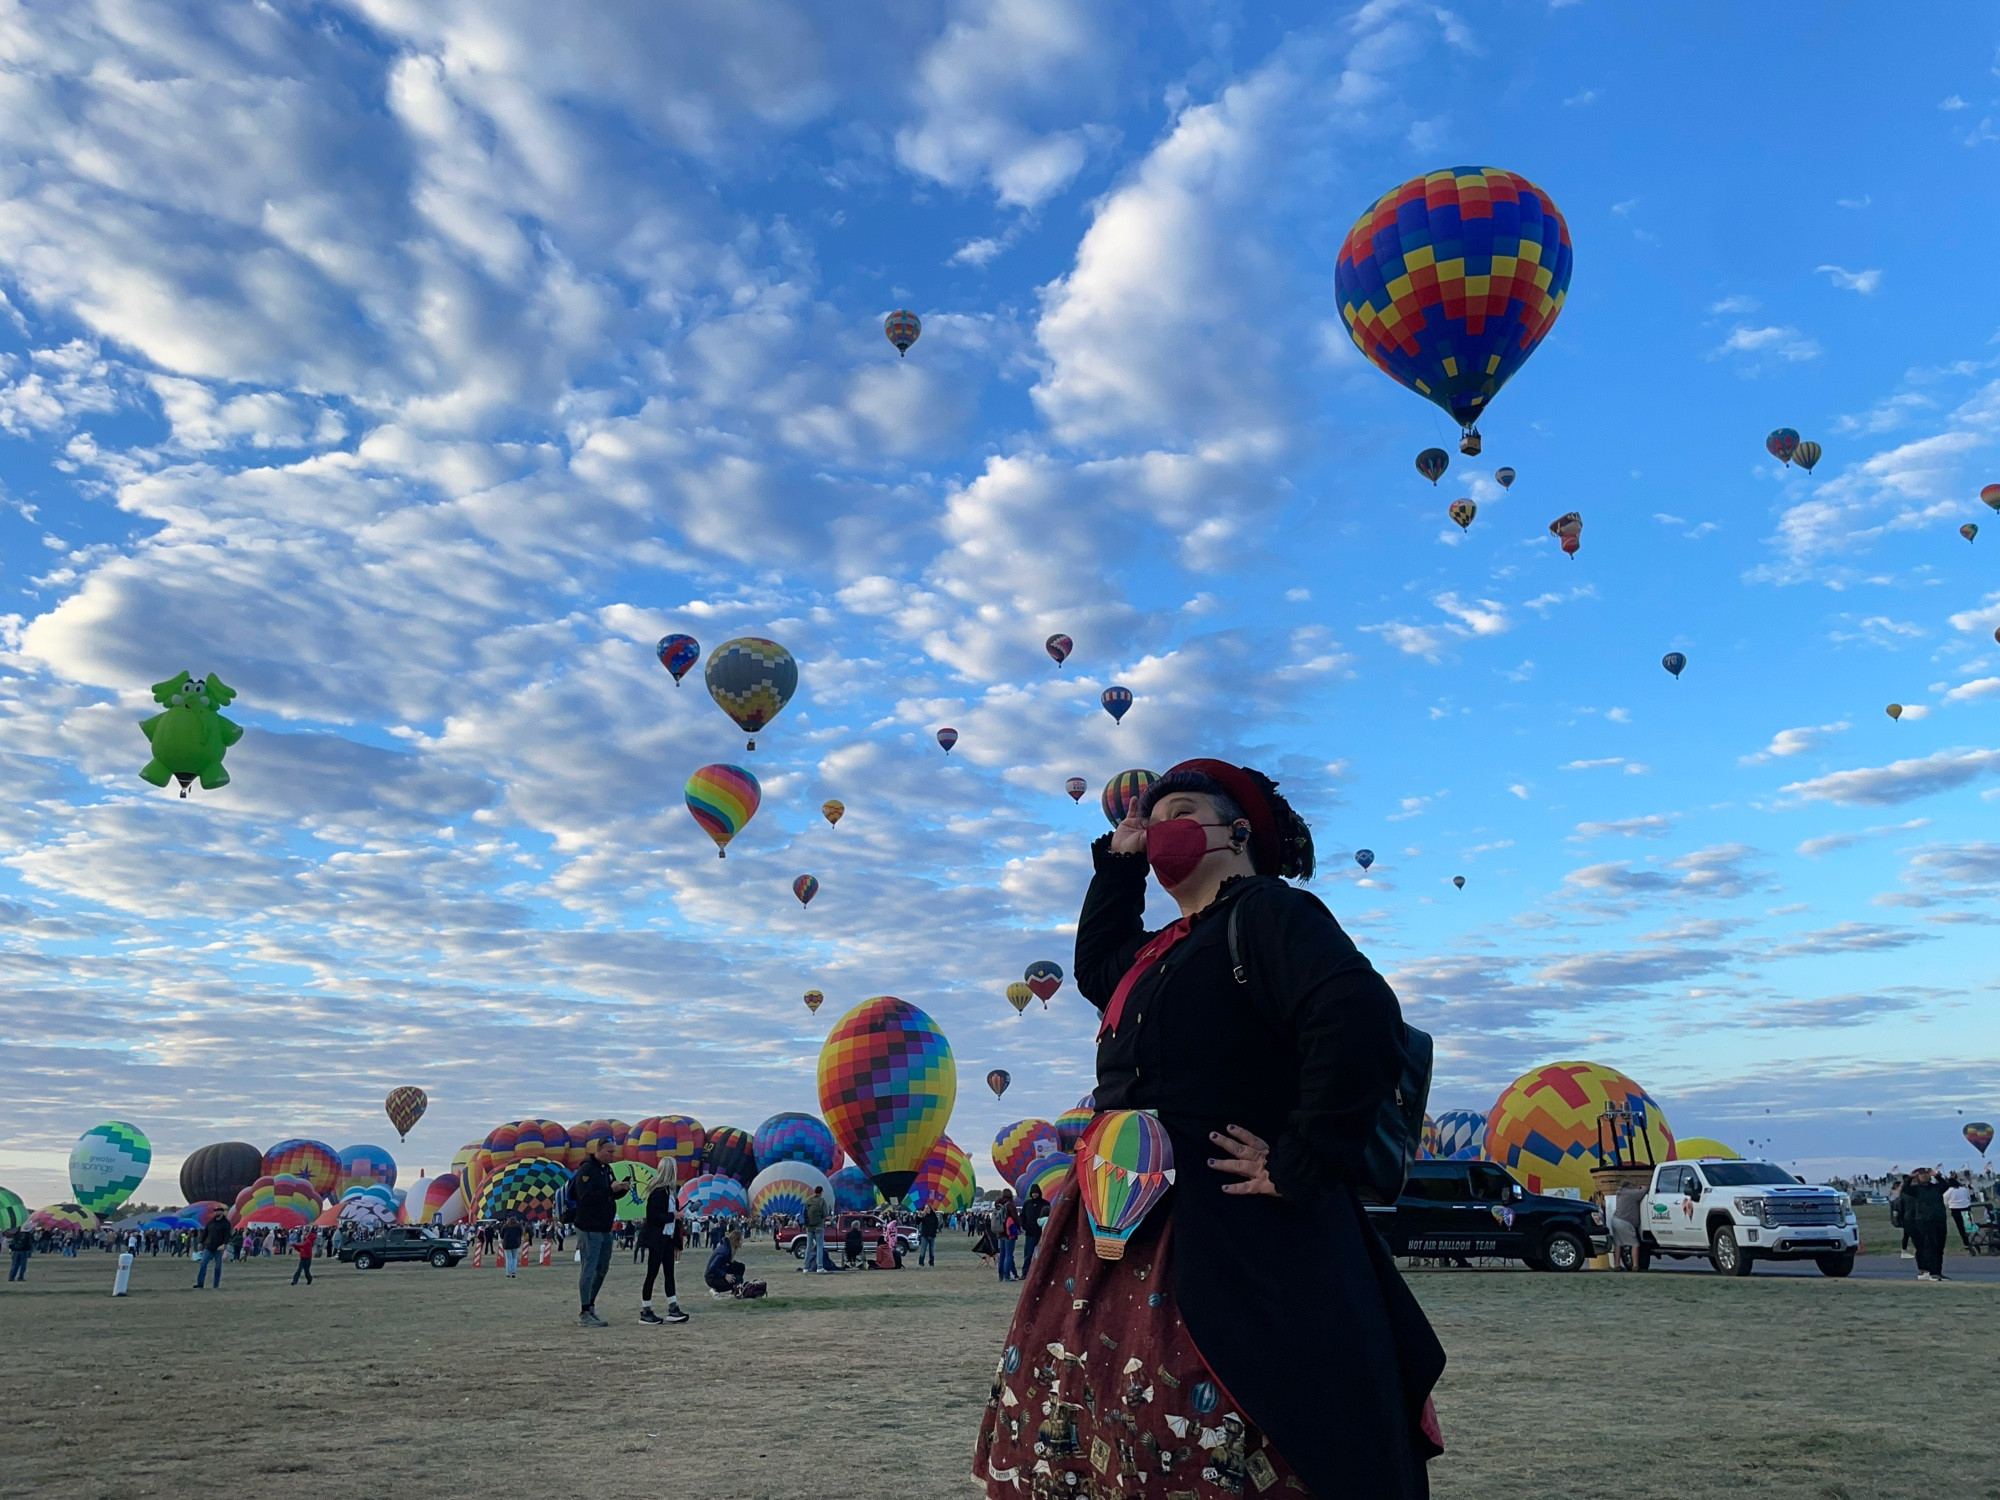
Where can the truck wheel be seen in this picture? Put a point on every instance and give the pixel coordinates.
(1645, 1259)
(799, 1248)
(1728, 1257)
(440, 1258)
(1841, 1263)
(364, 1261)
(1563, 1251)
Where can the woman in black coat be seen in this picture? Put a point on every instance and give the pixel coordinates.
(1256, 1332)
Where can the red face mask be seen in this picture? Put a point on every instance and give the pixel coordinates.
(1174, 848)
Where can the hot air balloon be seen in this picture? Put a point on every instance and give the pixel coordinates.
(1457, 1135)
(1076, 786)
(1675, 663)
(1121, 792)
(1544, 1128)
(902, 329)
(365, 1166)
(722, 799)
(1044, 978)
(1504, 478)
(107, 1164)
(1459, 881)
(1124, 1165)
(1894, 710)
(1018, 996)
(63, 1218)
(946, 738)
(217, 1173)
(318, 1164)
(442, 1202)
(13, 1211)
(887, 1083)
(1450, 281)
(1569, 527)
(997, 1080)
(805, 888)
(792, 1136)
(404, 1107)
(287, 1202)
(677, 653)
(1979, 1134)
(728, 1152)
(1462, 511)
(1059, 646)
(1071, 1124)
(1806, 455)
(1117, 701)
(944, 1182)
(1046, 1173)
(714, 1194)
(632, 1180)
(751, 679)
(1020, 1143)
(1364, 857)
(853, 1193)
(1782, 444)
(1432, 462)
(814, 1000)
(529, 1189)
(1991, 495)
(832, 810)
(786, 1187)
(1969, 530)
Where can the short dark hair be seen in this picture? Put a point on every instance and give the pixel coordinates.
(1294, 838)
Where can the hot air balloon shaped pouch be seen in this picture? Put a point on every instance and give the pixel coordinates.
(1124, 1166)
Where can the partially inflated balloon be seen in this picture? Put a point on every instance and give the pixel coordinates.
(1979, 1134)
(832, 810)
(1451, 280)
(1504, 478)
(1544, 1128)
(723, 799)
(1045, 1172)
(633, 1181)
(1462, 511)
(1059, 646)
(713, 1194)
(1806, 455)
(944, 1182)
(1044, 978)
(13, 1211)
(1782, 444)
(1124, 1165)
(1121, 791)
(365, 1166)
(288, 1202)
(681, 1140)
(677, 653)
(814, 1000)
(63, 1218)
(946, 738)
(318, 1164)
(219, 1172)
(1020, 1143)
(404, 1107)
(1018, 995)
(1458, 1135)
(1432, 462)
(729, 1152)
(1569, 527)
(1364, 857)
(792, 1136)
(751, 679)
(853, 1193)
(1071, 1124)
(997, 1080)
(1894, 710)
(1117, 702)
(805, 888)
(1076, 786)
(887, 1083)
(583, 1138)
(786, 1188)
(1695, 1147)
(442, 1202)
(107, 1164)
(527, 1189)
(902, 328)
(1969, 530)
(1675, 663)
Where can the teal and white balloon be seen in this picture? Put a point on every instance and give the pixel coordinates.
(107, 1164)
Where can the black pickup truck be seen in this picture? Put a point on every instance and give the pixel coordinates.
(404, 1242)
(1458, 1209)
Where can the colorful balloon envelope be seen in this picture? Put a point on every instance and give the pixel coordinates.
(1117, 702)
(583, 1138)
(814, 1000)
(792, 1136)
(1450, 281)
(1544, 1128)
(1568, 527)
(366, 1210)
(786, 1188)
(1458, 881)
(1806, 455)
(1018, 995)
(723, 799)
(853, 1193)
(107, 1164)
(1364, 857)
(729, 1151)
(13, 1211)
(1894, 710)
(805, 888)
(404, 1107)
(63, 1218)
(1121, 792)
(1044, 978)
(364, 1166)
(1969, 530)
(1059, 646)
(887, 1083)
(1432, 462)
(1076, 786)
(944, 1182)
(902, 328)
(318, 1164)
(1782, 444)
(1504, 478)
(1124, 1165)
(751, 679)
(442, 1202)
(946, 738)
(1045, 1172)
(712, 1193)
(1020, 1143)
(832, 810)
(1979, 1135)
(1991, 495)
(1462, 511)
(1071, 1124)
(998, 1080)
(681, 1140)
(288, 1202)
(1675, 663)
(528, 1189)
(677, 654)
(1459, 1135)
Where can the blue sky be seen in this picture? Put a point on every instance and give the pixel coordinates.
(415, 366)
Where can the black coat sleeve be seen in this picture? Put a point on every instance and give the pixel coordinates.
(1113, 923)
(1316, 986)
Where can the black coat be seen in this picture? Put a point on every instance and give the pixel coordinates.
(1293, 1301)
(594, 1191)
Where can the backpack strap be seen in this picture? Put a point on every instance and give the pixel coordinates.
(1236, 945)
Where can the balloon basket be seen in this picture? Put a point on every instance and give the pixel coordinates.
(186, 780)
(1470, 442)
(1109, 1247)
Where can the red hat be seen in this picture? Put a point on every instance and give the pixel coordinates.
(1265, 847)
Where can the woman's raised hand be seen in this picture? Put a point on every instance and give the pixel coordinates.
(1129, 837)
(1248, 1158)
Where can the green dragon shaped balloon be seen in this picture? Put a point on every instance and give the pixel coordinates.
(190, 738)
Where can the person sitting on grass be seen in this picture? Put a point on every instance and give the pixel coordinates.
(725, 1273)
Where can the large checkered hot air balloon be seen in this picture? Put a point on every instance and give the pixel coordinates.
(530, 1188)
(887, 1083)
(1450, 281)
(751, 679)
(795, 1136)
(1544, 1127)
(107, 1164)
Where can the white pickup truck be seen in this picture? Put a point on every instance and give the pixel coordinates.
(1740, 1212)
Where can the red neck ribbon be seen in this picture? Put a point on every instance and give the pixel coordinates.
(1158, 944)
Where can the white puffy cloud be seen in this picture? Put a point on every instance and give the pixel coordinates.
(1899, 781)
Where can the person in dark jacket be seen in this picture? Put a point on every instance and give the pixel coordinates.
(1923, 1215)
(594, 1192)
(851, 1244)
(22, 1245)
(214, 1239)
(660, 1235)
(927, 1233)
(1034, 1214)
(1255, 1302)
(512, 1232)
(724, 1273)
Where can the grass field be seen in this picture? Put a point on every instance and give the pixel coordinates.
(414, 1381)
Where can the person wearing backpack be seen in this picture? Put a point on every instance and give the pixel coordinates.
(1254, 1297)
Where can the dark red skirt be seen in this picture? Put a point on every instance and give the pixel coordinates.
(1100, 1391)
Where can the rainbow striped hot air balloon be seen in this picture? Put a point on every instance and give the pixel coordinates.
(722, 799)
(1018, 1144)
(887, 1083)
(319, 1164)
(944, 1182)
(1045, 1172)
(1124, 1165)
(288, 1202)
(1071, 1124)
(442, 1202)
(1121, 791)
